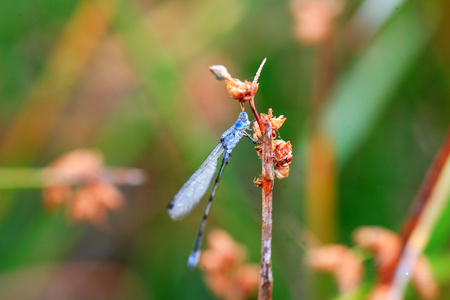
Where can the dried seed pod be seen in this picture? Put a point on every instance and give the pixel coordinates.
(241, 91)
(282, 150)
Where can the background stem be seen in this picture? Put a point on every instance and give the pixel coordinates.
(429, 204)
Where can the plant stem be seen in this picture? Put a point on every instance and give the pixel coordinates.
(426, 189)
(266, 279)
(255, 85)
(22, 178)
(428, 205)
(32, 178)
(255, 112)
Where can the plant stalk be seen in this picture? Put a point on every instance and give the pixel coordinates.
(427, 208)
(266, 278)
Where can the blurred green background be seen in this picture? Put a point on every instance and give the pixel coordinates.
(131, 78)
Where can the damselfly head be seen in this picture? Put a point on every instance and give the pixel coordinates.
(242, 122)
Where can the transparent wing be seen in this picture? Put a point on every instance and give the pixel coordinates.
(195, 187)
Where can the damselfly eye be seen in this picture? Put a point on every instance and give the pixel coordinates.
(239, 125)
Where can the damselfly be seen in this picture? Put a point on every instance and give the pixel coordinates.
(196, 186)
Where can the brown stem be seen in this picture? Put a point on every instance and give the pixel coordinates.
(266, 279)
(418, 225)
(417, 207)
(432, 199)
(255, 112)
(321, 183)
(23, 178)
(426, 188)
(323, 78)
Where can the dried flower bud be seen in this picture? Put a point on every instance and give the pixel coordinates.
(220, 72)
(241, 91)
(282, 158)
(276, 122)
(282, 151)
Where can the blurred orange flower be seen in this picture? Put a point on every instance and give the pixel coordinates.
(77, 178)
(386, 247)
(383, 243)
(225, 270)
(314, 19)
(345, 265)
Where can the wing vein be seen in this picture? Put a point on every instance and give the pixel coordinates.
(196, 186)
